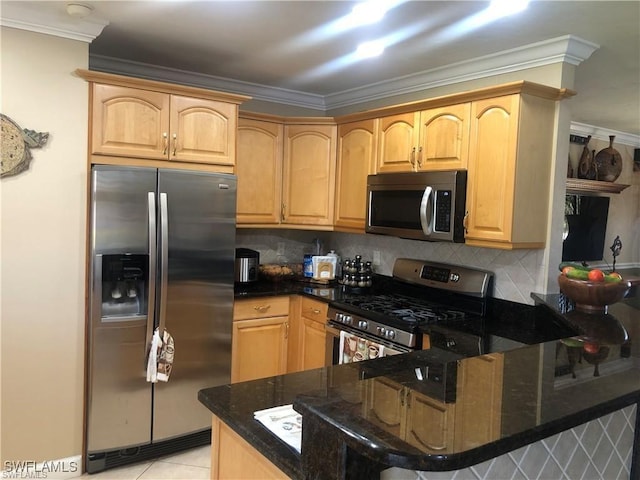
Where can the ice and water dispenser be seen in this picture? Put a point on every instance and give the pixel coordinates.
(124, 286)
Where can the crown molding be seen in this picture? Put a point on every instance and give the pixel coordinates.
(26, 16)
(599, 133)
(155, 72)
(568, 48)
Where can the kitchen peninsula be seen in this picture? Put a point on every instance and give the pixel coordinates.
(365, 420)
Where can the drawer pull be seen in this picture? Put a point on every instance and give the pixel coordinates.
(262, 308)
(315, 311)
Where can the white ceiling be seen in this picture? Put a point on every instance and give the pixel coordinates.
(287, 44)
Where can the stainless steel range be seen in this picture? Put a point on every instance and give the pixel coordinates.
(447, 302)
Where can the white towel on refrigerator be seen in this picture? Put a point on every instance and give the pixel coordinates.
(152, 361)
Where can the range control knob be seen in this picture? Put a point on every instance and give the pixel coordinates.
(390, 334)
(338, 317)
(450, 343)
(348, 320)
(363, 324)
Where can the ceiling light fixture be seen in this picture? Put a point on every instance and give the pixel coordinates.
(370, 49)
(79, 10)
(502, 8)
(369, 12)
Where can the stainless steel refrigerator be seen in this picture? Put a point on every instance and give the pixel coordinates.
(162, 246)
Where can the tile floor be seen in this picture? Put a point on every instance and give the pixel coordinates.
(192, 464)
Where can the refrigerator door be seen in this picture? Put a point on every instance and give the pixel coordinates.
(121, 302)
(196, 263)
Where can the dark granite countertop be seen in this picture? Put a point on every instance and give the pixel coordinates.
(545, 391)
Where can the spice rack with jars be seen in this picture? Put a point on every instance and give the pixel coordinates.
(356, 273)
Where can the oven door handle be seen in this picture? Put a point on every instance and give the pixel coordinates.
(426, 211)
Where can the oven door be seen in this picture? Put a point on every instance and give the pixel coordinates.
(347, 346)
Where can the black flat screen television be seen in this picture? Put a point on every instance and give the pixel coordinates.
(586, 219)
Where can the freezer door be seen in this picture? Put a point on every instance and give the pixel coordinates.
(121, 307)
(196, 259)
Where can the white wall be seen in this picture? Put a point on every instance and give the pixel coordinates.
(43, 250)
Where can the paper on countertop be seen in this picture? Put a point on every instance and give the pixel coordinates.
(284, 422)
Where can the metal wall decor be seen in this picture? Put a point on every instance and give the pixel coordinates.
(16, 145)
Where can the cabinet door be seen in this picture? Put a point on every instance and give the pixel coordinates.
(259, 170)
(430, 423)
(314, 344)
(203, 131)
(233, 457)
(259, 348)
(129, 122)
(479, 400)
(356, 158)
(491, 173)
(385, 405)
(313, 316)
(309, 174)
(444, 138)
(398, 142)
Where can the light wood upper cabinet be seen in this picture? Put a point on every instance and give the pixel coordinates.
(260, 335)
(129, 122)
(398, 142)
(259, 170)
(356, 159)
(138, 123)
(202, 131)
(444, 138)
(509, 171)
(308, 184)
(433, 139)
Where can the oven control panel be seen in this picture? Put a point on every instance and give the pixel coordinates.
(372, 327)
(453, 278)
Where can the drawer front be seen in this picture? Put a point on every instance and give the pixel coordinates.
(314, 310)
(260, 307)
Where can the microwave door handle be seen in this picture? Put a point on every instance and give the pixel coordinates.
(426, 214)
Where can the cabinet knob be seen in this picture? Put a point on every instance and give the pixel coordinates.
(262, 308)
(283, 211)
(412, 159)
(419, 157)
(465, 221)
(175, 144)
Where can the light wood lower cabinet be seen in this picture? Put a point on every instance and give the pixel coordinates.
(421, 421)
(479, 401)
(260, 337)
(313, 314)
(233, 458)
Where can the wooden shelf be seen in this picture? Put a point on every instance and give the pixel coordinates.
(580, 186)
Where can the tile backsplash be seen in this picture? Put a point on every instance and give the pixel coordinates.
(517, 272)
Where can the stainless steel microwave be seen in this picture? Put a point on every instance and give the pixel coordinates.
(417, 205)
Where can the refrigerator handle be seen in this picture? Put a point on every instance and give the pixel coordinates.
(164, 261)
(153, 262)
